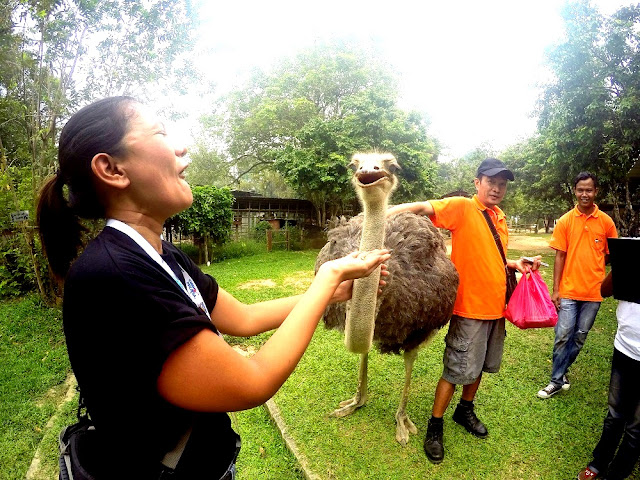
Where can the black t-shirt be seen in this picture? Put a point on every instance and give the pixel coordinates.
(123, 316)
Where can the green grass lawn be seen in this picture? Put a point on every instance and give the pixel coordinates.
(529, 437)
(34, 368)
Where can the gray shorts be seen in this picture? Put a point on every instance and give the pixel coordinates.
(472, 347)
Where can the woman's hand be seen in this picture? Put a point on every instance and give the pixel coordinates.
(345, 289)
(357, 264)
(352, 266)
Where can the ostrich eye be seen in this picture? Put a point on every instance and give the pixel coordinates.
(392, 166)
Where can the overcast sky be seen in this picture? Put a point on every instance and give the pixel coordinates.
(473, 67)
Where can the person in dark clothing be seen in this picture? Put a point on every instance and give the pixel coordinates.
(618, 449)
(142, 322)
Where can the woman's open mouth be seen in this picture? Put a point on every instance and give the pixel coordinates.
(181, 173)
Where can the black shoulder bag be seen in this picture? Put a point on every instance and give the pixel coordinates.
(509, 272)
(78, 443)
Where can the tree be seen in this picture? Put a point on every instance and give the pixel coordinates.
(459, 173)
(208, 167)
(210, 216)
(589, 113)
(307, 117)
(535, 197)
(56, 56)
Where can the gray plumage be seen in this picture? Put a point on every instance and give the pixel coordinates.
(421, 288)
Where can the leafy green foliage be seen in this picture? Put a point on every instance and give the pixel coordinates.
(307, 117)
(59, 55)
(18, 242)
(459, 173)
(589, 112)
(209, 217)
(237, 249)
(536, 197)
(16, 270)
(210, 214)
(259, 231)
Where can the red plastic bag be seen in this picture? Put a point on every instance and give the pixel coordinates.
(530, 305)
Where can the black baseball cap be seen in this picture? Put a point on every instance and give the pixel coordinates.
(492, 167)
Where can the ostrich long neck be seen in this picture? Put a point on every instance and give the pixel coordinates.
(361, 310)
(373, 225)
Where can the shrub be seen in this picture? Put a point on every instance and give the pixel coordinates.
(219, 253)
(16, 268)
(236, 250)
(191, 250)
(259, 231)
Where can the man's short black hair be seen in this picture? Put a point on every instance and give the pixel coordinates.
(585, 176)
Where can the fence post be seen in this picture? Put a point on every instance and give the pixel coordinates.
(269, 240)
(288, 237)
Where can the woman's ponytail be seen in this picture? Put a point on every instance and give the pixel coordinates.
(59, 228)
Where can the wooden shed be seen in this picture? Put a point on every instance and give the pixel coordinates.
(251, 208)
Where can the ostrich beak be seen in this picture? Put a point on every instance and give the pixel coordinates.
(369, 178)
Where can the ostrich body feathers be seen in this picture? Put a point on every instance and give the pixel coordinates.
(421, 287)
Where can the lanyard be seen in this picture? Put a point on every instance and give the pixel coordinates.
(191, 289)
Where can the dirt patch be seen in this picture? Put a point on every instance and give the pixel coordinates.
(527, 242)
(299, 280)
(520, 242)
(255, 284)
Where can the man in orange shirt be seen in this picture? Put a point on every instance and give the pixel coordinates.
(475, 339)
(580, 241)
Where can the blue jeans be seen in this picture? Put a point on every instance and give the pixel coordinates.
(622, 421)
(575, 319)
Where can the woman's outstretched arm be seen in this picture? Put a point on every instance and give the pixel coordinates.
(206, 374)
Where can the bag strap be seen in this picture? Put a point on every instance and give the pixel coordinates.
(170, 459)
(496, 236)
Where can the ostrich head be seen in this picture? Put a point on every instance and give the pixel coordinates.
(374, 175)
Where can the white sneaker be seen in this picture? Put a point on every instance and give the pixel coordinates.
(566, 385)
(549, 391)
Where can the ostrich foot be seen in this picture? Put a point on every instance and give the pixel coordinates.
(404, 426)
(349, 406)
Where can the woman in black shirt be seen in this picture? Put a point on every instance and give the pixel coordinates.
(142, 322)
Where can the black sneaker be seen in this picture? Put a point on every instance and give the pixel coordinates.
(549, 391)
(466, 417)
(433, 445)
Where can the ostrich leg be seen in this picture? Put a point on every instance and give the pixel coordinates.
(404, 425)
(349, 406)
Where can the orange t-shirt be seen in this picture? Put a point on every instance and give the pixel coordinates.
(584, 239)
(474, 252)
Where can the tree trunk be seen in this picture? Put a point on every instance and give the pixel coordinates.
(206, 248)
(44, 294)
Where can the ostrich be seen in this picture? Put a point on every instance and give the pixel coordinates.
(421, 288)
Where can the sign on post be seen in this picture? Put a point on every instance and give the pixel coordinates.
(20, 216)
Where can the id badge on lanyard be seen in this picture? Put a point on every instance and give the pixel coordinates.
(189, 286)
